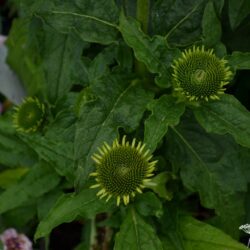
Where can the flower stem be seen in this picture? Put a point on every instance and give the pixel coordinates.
(92, 234)
(47, 243)
(142, 14)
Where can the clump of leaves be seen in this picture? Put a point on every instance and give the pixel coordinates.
(105, 69)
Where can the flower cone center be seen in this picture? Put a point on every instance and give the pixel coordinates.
(122, 171)
(199, 76)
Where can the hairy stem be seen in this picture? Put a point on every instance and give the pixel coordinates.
(142, 15)
(47, 243)
(92, 242)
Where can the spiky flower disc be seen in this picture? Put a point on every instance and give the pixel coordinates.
(122, 170)
(29, 116)
(200, 75)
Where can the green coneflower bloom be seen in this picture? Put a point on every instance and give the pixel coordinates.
(29, 116)
(200, 75)
(122, 170)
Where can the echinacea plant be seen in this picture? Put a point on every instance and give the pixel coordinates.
(135, 132)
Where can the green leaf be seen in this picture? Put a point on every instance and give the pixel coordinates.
(232, 214)
(11, 176)
(93, 21)
(172, 237)
(165, 112)
(167, 244)
(226, 116)
(20, 217)
(101, 64)
(218, 4)
(56, 146)
(121, 103)
(239, 60)
(62, 127)
(238, 11)
(178, 20)
(68, 207)
(46, 202)
(201, 236)
(148, 204)
(28, 7)
(153, 52)
(136, 234)
(211, 27)
(116, 57)
(57, 153)
(13, 152)
(212, 165)
(23, 57)
(38, 181)
(158, 185)
(61, 56)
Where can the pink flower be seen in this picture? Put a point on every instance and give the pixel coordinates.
(14, 241)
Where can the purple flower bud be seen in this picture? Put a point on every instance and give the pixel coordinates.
(14, 241)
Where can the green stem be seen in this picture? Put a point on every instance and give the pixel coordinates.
(142, 14)
(92, 242)
(46, 243)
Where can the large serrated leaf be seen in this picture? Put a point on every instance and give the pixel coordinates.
(211, 27)
(61, 56)
(121, 103)
(11, 176)
(38, 181)
(212, 165)
(238, 10)
(179, 20)
(13, 152)
(226, 116)
(149, 204)
(136, 234)
(93, 21)
(172, 237)
(57, 153)
(23, 57)
(56, 145)
(165, 112)
(239, 60)
(46, 202)
(194, 234)
(201, 236)
(69, 206)
(153, 52)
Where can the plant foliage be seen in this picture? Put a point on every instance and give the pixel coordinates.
(104, 69)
